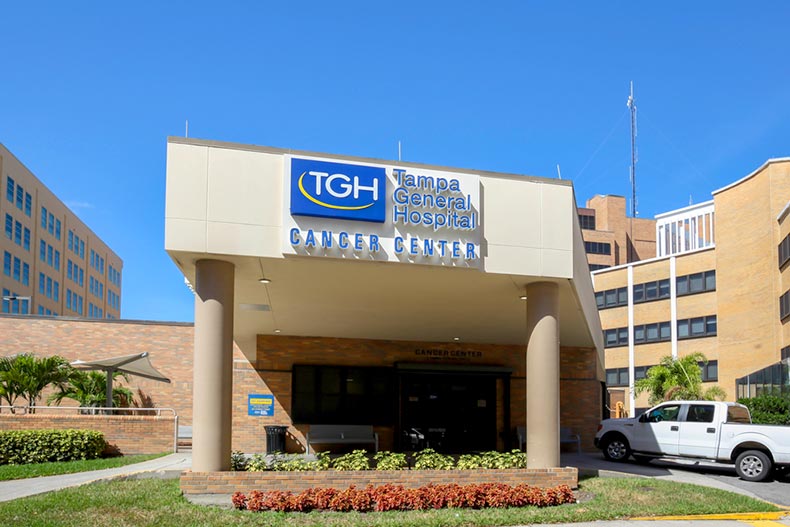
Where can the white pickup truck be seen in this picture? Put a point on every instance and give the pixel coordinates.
(715, 431)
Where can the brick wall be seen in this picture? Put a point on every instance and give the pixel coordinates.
(124, 434)
(230, 482)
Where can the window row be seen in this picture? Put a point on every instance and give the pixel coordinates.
(97, 262)
(784, 305)
(784, 251)
(74, 301)
(619, 376)
(14, 304)
(95, 311)
(113, 299)
(75, 273)
(587, 222)
(76, 245)
(48, 312)
(598, 248)
(16, 194)
(96, 287)
(49, 255)
(17, 232)
(661, 331)
(114, 276)
(16, 268)
(596, 267)
(49, 223)
(48, 287)
(657, 290)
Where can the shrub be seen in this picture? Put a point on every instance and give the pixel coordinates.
(768, 409)
(257, 463)
(238, 461)
(20, 447)
(397, 498)
(429, 459)
(356, 460)
(390, 461)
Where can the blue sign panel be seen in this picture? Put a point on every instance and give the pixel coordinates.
(260, 405)
(338, 190)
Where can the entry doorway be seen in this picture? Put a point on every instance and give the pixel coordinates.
(448, 411)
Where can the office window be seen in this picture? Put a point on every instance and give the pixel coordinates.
(597, 267)
(785, 352)
(44, 218)
(79, 304)
(82, 249)
(42, 251)
(10, 190)
(710, 371)
(7, 263)
(697, 327)
(617, 377)
(784, 251)
(26, 240)
(42, 281)
(696, 283)
(49, 287)
(587, 222)
(18, 233)
(17, 269)
(82, 276)
(69, 269)
(56, 291)
(57, 229)
(101, 290)
(20, 197)
(6, 303)
(616, 337)
(784, 305)
(51, 223)
(93, 259)
(597, 248)
(40, 310)
(25, 274)
(68, 298)
(9, 226)
(57, 260)
(28, 204)
(50, 255)
(71, 241)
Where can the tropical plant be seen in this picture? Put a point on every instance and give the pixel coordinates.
(677, 379)
(26, 376)
(89, 389)
(356, 460)
(430, 459)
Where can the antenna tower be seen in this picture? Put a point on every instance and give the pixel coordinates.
(632, 106)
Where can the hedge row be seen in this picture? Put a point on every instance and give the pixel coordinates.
(397, 498)
(20, 447)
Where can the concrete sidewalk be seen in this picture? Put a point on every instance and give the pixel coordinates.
(166, 466)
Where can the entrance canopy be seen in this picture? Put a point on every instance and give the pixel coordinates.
(137, 364)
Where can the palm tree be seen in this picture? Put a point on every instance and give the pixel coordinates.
(35, 374)
(89, 389)
(677, 379)
(10, 389)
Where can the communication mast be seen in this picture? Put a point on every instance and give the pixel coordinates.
(632, 106)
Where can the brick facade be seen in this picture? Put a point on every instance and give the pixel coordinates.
(230, 482)
(122, 433)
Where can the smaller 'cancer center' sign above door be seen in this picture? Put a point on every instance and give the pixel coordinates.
(381, 212)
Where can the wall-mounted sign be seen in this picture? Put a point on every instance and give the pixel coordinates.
(262, 405)
(448, 354)
(381, 212)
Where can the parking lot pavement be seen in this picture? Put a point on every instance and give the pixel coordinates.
(696, 472)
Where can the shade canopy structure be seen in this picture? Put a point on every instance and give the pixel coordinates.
(136, 364)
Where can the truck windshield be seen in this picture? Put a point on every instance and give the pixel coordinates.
(738, 414)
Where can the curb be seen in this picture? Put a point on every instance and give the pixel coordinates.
(743, 516)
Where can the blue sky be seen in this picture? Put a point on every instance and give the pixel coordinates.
(89, 92)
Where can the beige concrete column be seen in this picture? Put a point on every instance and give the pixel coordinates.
(543, 375)
(212, 389)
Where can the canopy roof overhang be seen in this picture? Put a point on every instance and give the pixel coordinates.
(341, 298)
(137, 364)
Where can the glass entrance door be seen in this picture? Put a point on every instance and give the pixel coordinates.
(448, 412)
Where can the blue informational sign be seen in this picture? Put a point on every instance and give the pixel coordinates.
(262, 405)
(338, 190)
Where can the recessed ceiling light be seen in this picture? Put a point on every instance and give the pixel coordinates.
(523, 297)
(456, 338)
(276, 330)
(264, 280)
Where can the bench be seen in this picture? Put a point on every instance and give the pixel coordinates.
(342, 435)
(566, 436)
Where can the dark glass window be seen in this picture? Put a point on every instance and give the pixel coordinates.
(665, 331)
(651, 290)
(682, 285)
(639, 293)
(663, 288)
(598, 248)
(340, 394)
(599, 299)
(652, 332)
(784, 305)
(697, 327)
(696, 283)
(700, 413)
(587, 222)
(784, 251)
(710, 371)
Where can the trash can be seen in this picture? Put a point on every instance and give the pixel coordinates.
(275, 438)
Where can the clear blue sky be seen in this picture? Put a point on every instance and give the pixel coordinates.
(89, 92)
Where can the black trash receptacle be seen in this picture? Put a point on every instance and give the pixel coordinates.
(275, 438)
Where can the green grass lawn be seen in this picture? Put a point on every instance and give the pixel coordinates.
(35, 470)
(159, 502)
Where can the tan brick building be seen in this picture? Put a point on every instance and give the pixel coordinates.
(718, 284)
(53, 264)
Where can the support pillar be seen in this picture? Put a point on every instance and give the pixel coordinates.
(543, 375)
(212, 390)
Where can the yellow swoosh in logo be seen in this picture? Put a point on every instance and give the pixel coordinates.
(327, 205)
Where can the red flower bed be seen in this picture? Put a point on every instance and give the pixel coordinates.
(398, 498)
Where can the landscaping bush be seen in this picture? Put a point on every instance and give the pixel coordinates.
(398, 498)
(356, 460)
(429, 459)
(768, 409)
(390, 461)
(20, 447)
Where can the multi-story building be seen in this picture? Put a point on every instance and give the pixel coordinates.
(719, 284)
(613, 238)
(53, 264)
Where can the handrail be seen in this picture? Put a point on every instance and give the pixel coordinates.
(97, 409)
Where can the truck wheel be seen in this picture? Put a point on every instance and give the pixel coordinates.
(753, 465)
(616, 448)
